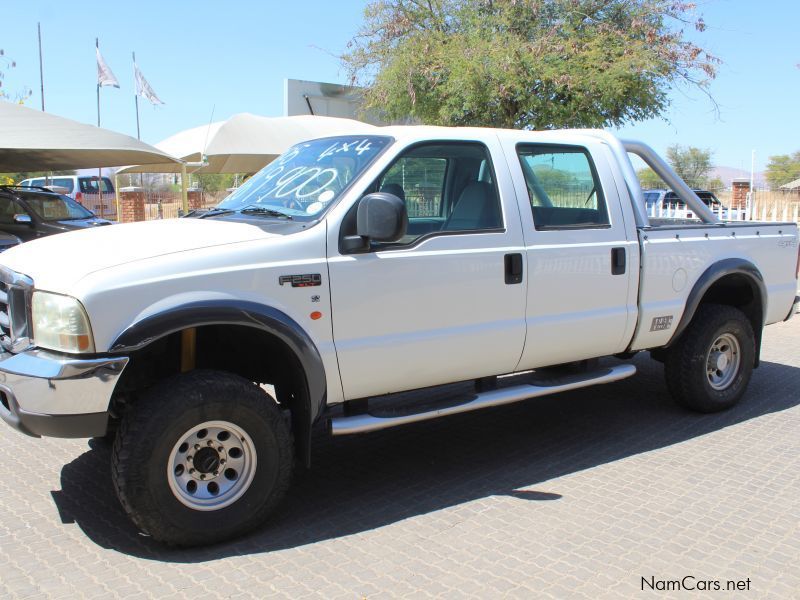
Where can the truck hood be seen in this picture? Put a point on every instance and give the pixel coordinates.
(58, 261)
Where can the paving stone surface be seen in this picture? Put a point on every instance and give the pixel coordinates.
(580, 495)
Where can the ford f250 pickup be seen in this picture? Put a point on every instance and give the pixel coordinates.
(356, 278)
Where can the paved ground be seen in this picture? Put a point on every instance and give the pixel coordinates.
(579, 495)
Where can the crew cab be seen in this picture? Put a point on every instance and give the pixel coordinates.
(365, 282)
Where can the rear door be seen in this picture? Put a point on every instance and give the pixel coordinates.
(438, 306)
(581, 299)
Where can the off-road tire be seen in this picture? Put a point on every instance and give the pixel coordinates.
(685, 367)
(149, 431)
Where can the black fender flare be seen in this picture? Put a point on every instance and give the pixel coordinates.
(724, 268)
(248, 314)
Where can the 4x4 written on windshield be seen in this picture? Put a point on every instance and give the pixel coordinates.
(305, 180)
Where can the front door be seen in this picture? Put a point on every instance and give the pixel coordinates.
(438, 306)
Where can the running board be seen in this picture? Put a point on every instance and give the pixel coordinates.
(367, 422)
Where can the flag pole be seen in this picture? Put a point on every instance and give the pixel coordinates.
(136, 102)
(97, 46)
(99, 170)
(41, 68)
(136, 97)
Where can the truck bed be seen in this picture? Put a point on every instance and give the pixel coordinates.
(675, 256)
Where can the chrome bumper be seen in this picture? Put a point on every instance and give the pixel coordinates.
(42, 393)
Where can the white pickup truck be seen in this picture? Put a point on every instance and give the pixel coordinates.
(357, 278)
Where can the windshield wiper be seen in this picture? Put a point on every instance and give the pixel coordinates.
(263, 210)
(213, 212)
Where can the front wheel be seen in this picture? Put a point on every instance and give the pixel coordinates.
(201, 458)
(709, 367)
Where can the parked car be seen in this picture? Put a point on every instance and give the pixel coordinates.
(361, 277)
(29, 213)
(85, 189)
(667, 202)
(8, 240)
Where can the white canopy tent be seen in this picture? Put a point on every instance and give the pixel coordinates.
(31, 140)
(245, 143)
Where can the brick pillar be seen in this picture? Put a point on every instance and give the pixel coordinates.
(131, 203)
(741, 187)
(195, 198)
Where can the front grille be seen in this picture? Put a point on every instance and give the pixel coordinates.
(15, 295)
(5, 321)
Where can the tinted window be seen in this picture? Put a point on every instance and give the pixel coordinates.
(66, 182)
(90, 185)
(53, 207)
(651, 197)
(563, 187)
(9, 208)
(446, 188)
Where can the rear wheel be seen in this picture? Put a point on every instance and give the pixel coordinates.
(709, 367)
(202, 457)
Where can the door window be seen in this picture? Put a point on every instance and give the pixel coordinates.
(8, 208)
(91, 185)
(447, 188)
(418, 180)
(563, 188)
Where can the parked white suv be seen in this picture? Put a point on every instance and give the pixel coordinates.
(85, 189)
(360, 276)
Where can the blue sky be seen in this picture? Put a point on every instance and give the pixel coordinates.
(233, 57)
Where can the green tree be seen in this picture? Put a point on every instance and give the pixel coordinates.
(532, 64)
(782, 169)
(649, 180)
(692, 164)
(215, 182)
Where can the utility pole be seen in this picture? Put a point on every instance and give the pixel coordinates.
(41, 68)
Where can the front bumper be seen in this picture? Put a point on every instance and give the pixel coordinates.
(47, 394)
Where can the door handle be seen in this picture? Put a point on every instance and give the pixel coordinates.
(513, 265)
(617, 261)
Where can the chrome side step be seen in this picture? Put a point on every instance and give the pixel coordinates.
(367, 422)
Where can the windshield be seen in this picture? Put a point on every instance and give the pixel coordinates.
(305, 180)
(53, 207)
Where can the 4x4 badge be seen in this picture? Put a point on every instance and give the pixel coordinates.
(306, 280)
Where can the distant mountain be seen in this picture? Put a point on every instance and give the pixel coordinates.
(728, 174)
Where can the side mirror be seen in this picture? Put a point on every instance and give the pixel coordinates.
(380, 217)
(22, 219)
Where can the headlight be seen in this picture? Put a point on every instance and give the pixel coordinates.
(60, 323)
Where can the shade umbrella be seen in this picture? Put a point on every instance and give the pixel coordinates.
(245, 143)
(31, 140)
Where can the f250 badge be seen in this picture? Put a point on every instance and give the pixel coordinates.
(306, 280)
(661, 323)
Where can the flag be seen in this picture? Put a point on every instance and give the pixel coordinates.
(104, 74)
(143, 88)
